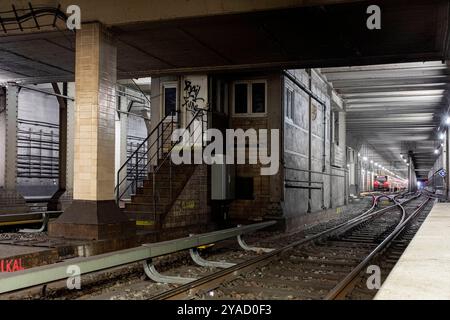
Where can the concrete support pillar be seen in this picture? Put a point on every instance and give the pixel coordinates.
(10, 200)
(94, 213)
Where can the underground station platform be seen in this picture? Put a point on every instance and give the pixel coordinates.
(220, 150)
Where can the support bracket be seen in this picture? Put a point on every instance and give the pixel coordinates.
(154, 275)
(205, 263)
(246, 247)
(45, 219)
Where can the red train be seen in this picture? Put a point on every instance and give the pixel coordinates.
(381, 183)
(388, 183)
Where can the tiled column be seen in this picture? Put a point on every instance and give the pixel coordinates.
(93, 213)
(10, 200)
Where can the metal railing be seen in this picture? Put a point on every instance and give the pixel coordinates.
(132, 145)
(160, 146)
(38, 150)
(137, 164)
(18, 19)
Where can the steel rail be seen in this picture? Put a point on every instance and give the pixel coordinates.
(214, 280)
(26, 218)
(343, 287)
(46, 92)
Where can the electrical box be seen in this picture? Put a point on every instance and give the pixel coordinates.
(222, 180)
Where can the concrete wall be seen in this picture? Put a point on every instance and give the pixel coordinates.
(327, 182)
(136, 127)
(38, 115)
(268, 190)
(436, 183)
(270, 197)
(39, 112)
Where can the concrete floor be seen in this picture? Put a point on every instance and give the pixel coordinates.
(8, 251)
(423, 271)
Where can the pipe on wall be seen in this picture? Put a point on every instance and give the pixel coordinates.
(55, 94)
(309, 142)
(447, 164)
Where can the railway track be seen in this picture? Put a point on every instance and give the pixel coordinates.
(328, 265)
(305, 265)
(127, 282)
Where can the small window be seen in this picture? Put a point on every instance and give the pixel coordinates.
(244, 188)
(220, 96)
(336, 128)
(250, 98)
(289, 103)
(170, 100)
(258, 97)
(240, 98)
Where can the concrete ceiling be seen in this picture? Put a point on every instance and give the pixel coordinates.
(395, 108)
(298, 37)
(114, 12)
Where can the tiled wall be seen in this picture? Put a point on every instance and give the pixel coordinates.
(96, 61)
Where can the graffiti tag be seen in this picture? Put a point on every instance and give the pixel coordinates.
(12, 265)
(191, 98)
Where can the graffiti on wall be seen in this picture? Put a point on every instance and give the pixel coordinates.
(191, 96)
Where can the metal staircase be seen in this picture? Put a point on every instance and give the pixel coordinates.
(149, 182)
